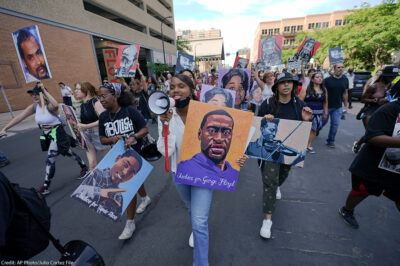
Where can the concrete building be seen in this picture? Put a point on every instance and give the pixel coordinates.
(80, 39)
(207, 46)
(289, 27)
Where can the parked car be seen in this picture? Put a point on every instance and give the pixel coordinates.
(360, 78)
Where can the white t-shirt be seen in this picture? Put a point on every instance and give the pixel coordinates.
(267, 92)
(351, 80)
(66, 91)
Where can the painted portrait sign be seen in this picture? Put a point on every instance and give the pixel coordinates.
(72, 121)
(214, 138)
(31, 55)
(256, 96)
(110, 58)
(126, 60)
(282, 141)
(335, 55)
(270, 52)
(391, 158)
(237, 79)
(111, 186)
(304, 53)
(184, 61)
(240, 62)
(217, 96)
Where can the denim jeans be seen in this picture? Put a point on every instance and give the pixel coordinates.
(197, 201)
(3, 157)
(335, 114)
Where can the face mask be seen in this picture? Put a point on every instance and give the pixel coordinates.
(180, 103)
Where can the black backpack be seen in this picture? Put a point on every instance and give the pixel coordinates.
(24, 237)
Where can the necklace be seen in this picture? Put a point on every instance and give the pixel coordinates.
(113, 118)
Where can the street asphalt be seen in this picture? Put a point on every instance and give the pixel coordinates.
(307, 229)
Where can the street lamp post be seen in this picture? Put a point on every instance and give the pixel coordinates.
(162, 36)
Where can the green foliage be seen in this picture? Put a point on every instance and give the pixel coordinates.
(367, 41)
(157, 68)
(183, 46)
(288, 53)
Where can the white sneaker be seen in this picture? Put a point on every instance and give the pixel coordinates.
(128, 230)
(142, 206)
(191, 241)
(278, 194)
(265, 231)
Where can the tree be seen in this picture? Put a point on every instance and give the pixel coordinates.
(157, 68)
(183, 46)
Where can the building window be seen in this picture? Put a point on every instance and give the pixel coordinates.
(292, 41)
(286, 29)
(285, 41)
(299, 27)
(157, 35)
(318, 25)
(137, 3)
(346, 21)
(293, 29)
(325, 25)
(263, 32)
(165, 5)
(338, 22)
(311, 25)
(276, 31)
(157, 16)
(270, 32)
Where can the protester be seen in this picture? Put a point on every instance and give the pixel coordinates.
(211, 79)
(265, 84)
(336, 86)
(190, 74)
(167, 83)
(196, 199)
(66, 94)
(284, 105)
(374, 97)
(121, 120)
(350, 76)
(306, 79)
(151, 85)
(91, 108)
(54, 139)
(316, 98)
(372, 80)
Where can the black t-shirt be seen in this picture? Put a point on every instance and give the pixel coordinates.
(141, 99)
(88, 113)
(291, 110)
(127, 120)
(336, 87)
(365, 165)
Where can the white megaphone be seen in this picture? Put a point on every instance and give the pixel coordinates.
(160, 103)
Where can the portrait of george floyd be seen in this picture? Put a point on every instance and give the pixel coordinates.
(217, 96)
(31, 55)
(126, 61)
(184, 61)
(111, 186)
(280, 140)
(72, 121)
(214, 138)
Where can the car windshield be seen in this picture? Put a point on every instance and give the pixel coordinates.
(362, 76)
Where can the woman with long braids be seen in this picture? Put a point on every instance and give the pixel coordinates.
(54, 139)
(284, 104)
(121, 120)
(196, 199)
(316, 97)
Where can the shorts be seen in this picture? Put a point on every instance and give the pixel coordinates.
(92, 137)
(362, 187)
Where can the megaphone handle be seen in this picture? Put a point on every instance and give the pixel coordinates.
(166, 147)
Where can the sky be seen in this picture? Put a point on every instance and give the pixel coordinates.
(238, 19)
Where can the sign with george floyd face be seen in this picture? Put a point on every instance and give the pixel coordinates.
(335, 55)
(306, 50)
(126, 61)
(184, 61)
(270, 52)
(31, 55)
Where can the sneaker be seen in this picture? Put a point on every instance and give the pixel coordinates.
(310, 149)
(278, 194)
(83, 173)
(44, 190)
(265, 231)
(330, 145)
(191, 241)
(142, 206)
(348, 217)
(128, 230)
(356, 147)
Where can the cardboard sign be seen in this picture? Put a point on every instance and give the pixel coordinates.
(110, 58)
(109, 188)
(184, 61)
(214, 138)
(217, 96)
(335, 55)
(126, 61)
(31, 55)
(72, 121)
(270, 52)
(240, 62)
(237, 79)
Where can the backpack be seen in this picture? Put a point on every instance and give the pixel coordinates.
(25, 237)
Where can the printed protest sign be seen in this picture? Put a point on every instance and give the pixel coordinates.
(72, 122)
(270, 52)
(126, 61)
(31, 55)
(217, 96)
(335, 55)
(214, 138)
(240, 62)
(111, 186)
(237, 79)
(282, 141)
(184, 61)
(110, 58)
(256, 96)
(391, 158)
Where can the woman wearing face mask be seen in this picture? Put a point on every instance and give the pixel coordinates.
(91, 108)
(196, 199)
(119, 111)
(285, 105)
(316, 98)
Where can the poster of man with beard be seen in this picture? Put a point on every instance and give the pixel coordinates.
(270, 52)
(307, 49)
(184, 61)
(214, 138)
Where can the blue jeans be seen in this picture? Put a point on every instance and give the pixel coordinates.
(335, 114)
(3, 157)
(197, 201)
